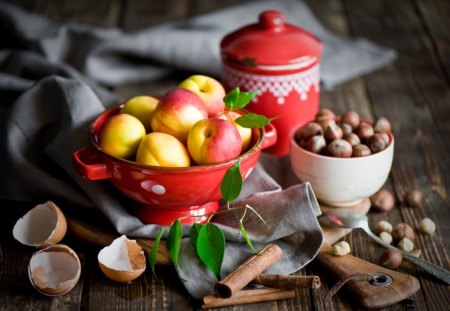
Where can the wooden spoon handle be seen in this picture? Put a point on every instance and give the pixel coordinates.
(366, 294)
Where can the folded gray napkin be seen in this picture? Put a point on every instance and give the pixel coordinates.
(49, 95)
(113, 57)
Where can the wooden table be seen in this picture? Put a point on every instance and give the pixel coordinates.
(413, 92)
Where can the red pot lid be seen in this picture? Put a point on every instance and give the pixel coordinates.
(271, 42)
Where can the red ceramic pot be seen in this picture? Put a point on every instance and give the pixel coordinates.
(281, 62)
(165, 194)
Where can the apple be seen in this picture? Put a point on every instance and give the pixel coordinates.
(141, 107)
(177, 111)
(161, 149)
(121, 135)
(209, 90)
(245, 132)
(213, 140)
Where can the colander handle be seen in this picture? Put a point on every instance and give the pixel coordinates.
(89, 165)
(270, 136)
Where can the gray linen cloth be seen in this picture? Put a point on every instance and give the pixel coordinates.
(49, 94)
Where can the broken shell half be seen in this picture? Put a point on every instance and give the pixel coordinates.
(54, 270)
(123, 260)
(42, 226)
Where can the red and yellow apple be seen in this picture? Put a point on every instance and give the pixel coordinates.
(177, 111)
(213, 140)
(121, 135)
(245, 132)
(141, 107)
(161, 149)
(209, 90)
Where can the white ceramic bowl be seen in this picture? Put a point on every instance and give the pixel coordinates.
(341, 182)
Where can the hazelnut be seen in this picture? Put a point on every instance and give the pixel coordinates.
(416, 253)
(346, 128)
(382, 125)
(391, 258)
(383, 226)
(386, 237)
(361, 150)
(353, 139)
(364, 130)
(403, 230)
(386, 138)
(324, 123)
(413, 198)
(383, 200)
(427, 226)
(340, 148)
(333, 131)
(376, 143)
(325, 117)
(325, 113)
(352, 118)
(341, 249)
(406, 245)
(309, 130)
(316, 144)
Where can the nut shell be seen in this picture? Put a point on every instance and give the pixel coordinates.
(361, 150)
(391, 258)
(382, 125)
(403, 230)
(364, 131)
(352, 118)
(340, 148)
(414, 198)
(383, 200)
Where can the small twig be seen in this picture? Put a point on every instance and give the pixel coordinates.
(247, 296)
(288, 281)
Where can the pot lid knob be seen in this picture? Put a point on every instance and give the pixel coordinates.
(273, 20)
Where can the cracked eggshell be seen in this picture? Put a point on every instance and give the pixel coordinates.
(54, 270)
(42, 226)
(123, 260)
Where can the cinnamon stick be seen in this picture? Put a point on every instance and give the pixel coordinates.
(288, 281)
(249, 270)
(247, 296)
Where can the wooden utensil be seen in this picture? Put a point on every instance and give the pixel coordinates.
(368, 295)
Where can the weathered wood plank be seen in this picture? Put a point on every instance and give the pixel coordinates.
(435, 15)
(104, 13)
(139, 14)
(414, 92)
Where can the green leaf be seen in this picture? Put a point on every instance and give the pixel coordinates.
(231, 98)
(211, 247)
(246, 237)
(231, 185)
(154, 251)
(194, 234)
(174, 241)
(244, 98)
(236, 99)
(251, 120)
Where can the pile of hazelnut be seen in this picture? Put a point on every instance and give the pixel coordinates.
(403, 235)
(344, 137)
